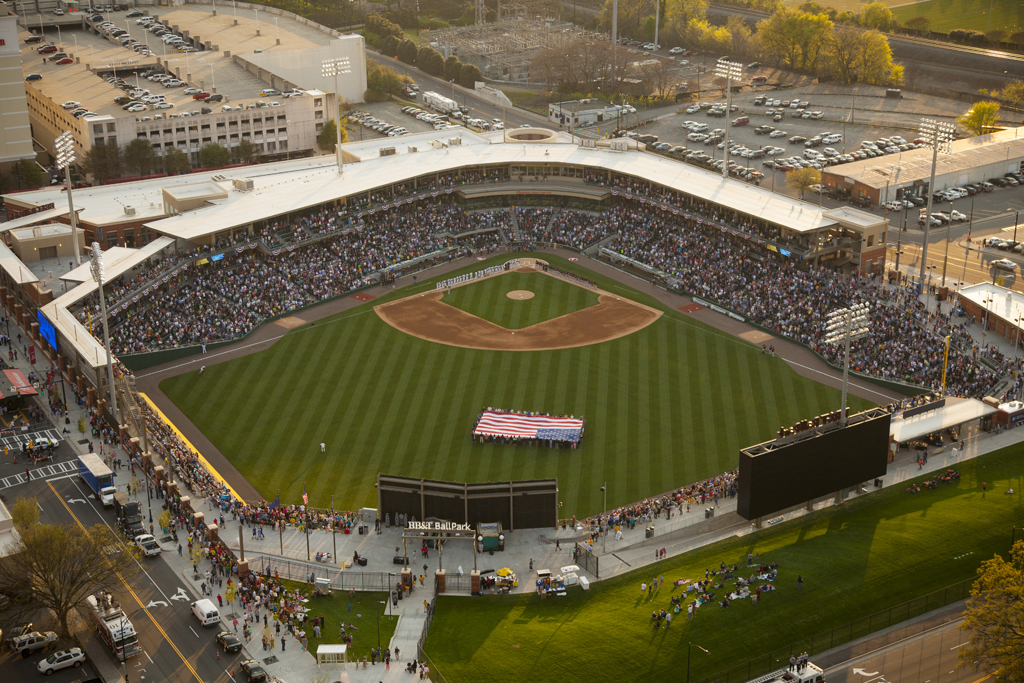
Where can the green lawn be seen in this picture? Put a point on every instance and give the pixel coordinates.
(356, 609)
(553, 298)
(665, 406)
(970, 14)
(856, 560)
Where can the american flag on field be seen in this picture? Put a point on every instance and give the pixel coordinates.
(493, 423)
(305, 498)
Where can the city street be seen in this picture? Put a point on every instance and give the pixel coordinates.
(175, 647)
(930, 657)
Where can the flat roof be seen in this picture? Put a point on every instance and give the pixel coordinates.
(14, 268)
(61, 209)
(899, 170)
(48, 230)
(999, 301)
(956, 412)
(298, 184)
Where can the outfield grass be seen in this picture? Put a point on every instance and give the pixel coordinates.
(947, 15)
(488, 299)
(665, 406)
(856, 560)
(355, 609)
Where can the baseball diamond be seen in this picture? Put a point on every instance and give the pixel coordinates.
(668, 403)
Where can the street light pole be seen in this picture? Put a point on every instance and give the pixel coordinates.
(96, 266)
(604, 537)
(65, 148)
(688, 647)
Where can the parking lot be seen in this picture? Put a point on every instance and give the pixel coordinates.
(391, 112)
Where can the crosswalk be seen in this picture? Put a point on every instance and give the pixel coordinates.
(54, 470)
(15, 439)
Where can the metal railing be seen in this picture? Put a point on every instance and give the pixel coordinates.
(294, 570)
(840, 635)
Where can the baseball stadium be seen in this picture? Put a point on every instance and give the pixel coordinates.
(511, 308)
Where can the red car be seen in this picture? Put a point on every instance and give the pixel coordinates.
(200, 96)
(46, 49)
(66, 60)
(686, 53)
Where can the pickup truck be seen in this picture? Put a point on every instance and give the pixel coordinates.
(33, 642)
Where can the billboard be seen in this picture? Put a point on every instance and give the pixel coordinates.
(46, 329)
(812, 463)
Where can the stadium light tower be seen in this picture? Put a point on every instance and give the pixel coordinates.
(730, 71)
(96, 266)
(334, 67)
(938, 134)
(65, 148)
(844, 325)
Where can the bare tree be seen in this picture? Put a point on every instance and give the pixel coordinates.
(58, 566)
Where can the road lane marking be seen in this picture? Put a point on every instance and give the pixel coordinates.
(193, 631)
(134, 595)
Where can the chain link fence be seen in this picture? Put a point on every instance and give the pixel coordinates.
(779, 659)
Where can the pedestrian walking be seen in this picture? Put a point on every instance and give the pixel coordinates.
(799, 581)
(323, 447)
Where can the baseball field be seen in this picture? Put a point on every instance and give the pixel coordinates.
(856, 560)
(978, 15)
(667, 404)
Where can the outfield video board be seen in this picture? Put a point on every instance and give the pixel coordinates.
(817, 462)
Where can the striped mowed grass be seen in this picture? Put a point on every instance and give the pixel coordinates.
(665, 406)
(488, 299)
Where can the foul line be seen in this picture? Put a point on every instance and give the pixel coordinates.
(142, 607)
(206, 464)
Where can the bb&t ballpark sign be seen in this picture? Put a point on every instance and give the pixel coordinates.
(438, 526)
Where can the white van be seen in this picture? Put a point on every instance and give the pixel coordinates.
(206, 612)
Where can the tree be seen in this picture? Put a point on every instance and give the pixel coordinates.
(390, 46)
(176, 162)
(25, 514)
(469, 75)
(381, 82)
(407, 51)
(794, 39)
(981, 118)
(1012, 93)
(996, 36)
(993, 618)
(877, 16)
(30, 174)
(1017, 38)
(681, 15)
(139, 157)
(328, 136)
(247, 153)
(922, 24)
(58, 566)
(452, 68)
(802, 179)
(103, 162)
(631, 15)
(431, 61)
(213, 155)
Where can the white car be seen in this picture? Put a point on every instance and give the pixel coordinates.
(59, 12)
(61, 660)
(137, 108)
(676, 50)
(191, 91)
(957, 216)
(1004, 264)
(693, 109)
(71, 104)
(148, 545)
(163, 105)
(778, 134)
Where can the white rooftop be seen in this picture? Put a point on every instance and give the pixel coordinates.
(289, 186)
(48, 230)
(957, 411)
(1000, 301)
(15, 269)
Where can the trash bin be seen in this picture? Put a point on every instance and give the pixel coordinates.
(707, 513)
(650, 532)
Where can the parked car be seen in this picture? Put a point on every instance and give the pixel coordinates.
(65, 60)
(63, 659)
(229, 642)
(33, 642)
(1004, 264)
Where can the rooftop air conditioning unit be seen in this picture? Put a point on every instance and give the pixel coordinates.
(452, 142)
(412, 150)
(587, 142)
(387, 151)
(243, 184)
(129, 211)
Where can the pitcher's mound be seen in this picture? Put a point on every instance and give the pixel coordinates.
(520, 294)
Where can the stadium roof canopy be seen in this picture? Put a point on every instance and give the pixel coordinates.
(956, 412)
